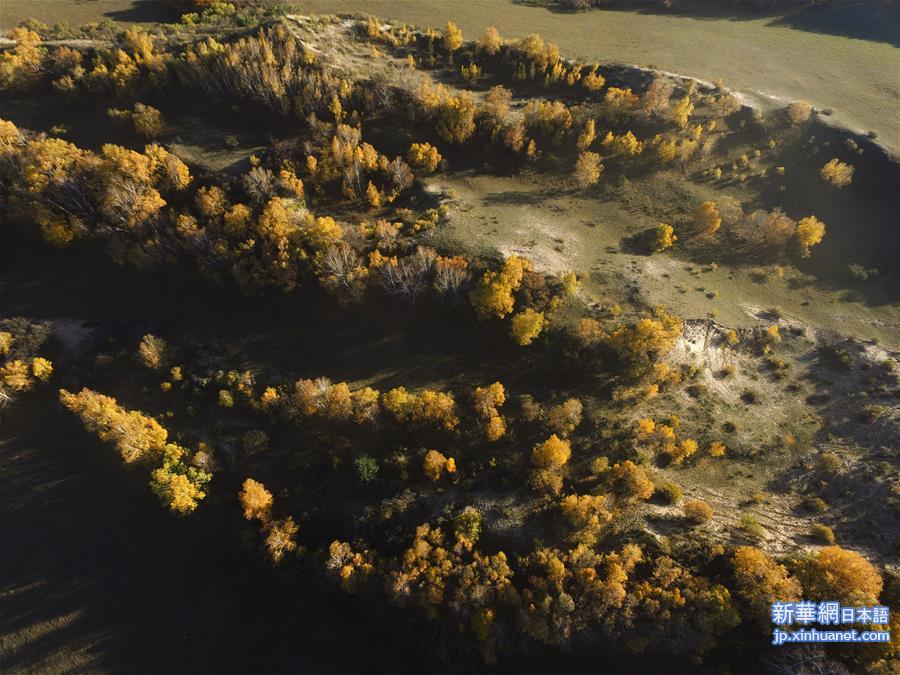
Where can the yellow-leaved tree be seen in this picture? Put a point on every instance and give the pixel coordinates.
(760, 581)
(493, 294)
(488, 401)
(176, 480)
(491, 41)
(708, 218)
(435, 464)
(423, 157)
(548, 459)
(453, 37)
(665, 237)
(588, 169)
(810, 231)
(526, 325)
(256, 501)
(834, 573)
(837, 173)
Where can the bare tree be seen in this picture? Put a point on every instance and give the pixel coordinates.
(260, 184)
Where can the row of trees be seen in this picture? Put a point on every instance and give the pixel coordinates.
(266, 238)
(279, 535)
(19, 370)
(70, 193)
(771, 231)
(560, 596)
(178, 476)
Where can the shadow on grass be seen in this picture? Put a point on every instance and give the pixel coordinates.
(101, 573)
(873, 20)
(143, 11)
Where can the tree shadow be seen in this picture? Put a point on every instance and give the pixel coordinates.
(143, 11)
(873, 20)
(641, 243)
(98, 568)
(519, 197)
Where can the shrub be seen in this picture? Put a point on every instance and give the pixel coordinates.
(717, 449)
(683, 450)
(467, 524)
(751, 527)
(828, 464)
(548, 459)
(41, 368)
(698, 511)
(148, 121)
(600, 465)
(526, 325)
(822, 533)
(255, 441)
(435, 464)
(630, 481)
(809, 232)
(669, 492)
(815, 504)
(564, 418)
(226, 399)
(760, 581)
(493, 295)
(280, 538)
(799, 112)
(366, 468)
(708, 217)
(588, 169)
(6, 341)
(152, 351)
(491, 41)
(423, 157)
(256, 500)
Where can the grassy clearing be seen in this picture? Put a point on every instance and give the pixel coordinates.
(560, 230)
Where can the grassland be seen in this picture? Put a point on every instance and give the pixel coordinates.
(563, 230)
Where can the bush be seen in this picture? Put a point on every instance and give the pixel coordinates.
(600, 465)
(669, 492)
(255, 441)
(799, 112)
(751, 527)
(828, 464)
(467, 524)
(822, 533)
(698, 511)
(366, 468)
(815, 504)
(148, 121)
